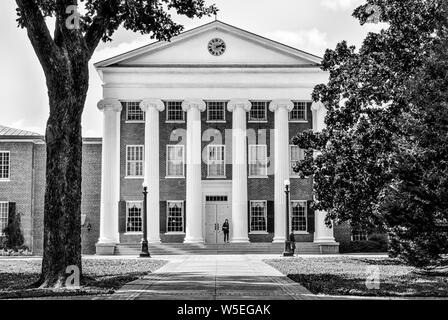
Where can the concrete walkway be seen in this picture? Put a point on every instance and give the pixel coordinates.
(220, 277)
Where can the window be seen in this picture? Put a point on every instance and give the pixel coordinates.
(258, 112)
(216, 111)
(216, 161)
(134, 161)
(258, 216)
(298, 113)
(175, 217)
(134, 216)
(216, 198)
(299, 216)
(359, 235)
(175, 161)
(133, 111)
(258, 163)
(295, 154)
(174, 112)
(3, 216)
(4, 165)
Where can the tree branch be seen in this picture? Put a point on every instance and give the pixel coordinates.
(106, 11)
(38, 33)
(94, 34)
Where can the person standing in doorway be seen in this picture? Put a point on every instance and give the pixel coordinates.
(225, 229)
(292, 242)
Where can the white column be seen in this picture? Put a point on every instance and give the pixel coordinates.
(239, 170)
(152, 107)
(281, 164)
(322, 234)
(194, 223)
(110, 176)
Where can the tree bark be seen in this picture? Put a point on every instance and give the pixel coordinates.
(64, 61)
(62, 210)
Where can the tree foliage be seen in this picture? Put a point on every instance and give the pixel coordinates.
(381, 164)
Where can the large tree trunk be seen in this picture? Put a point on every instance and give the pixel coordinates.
(62, 212)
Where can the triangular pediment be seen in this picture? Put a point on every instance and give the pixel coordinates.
(191, 49)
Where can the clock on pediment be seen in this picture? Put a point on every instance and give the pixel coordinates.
(216, 47)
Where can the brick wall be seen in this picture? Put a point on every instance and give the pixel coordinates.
(212, 133)
(342, 233)
(39, 197)
(20, 187)
(91, 196)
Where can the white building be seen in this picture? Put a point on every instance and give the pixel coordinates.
(206, 122)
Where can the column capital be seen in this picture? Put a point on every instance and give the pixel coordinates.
(113, 104)
(277, 104)
(146, 104)
(239, 103)
(193, 103)
(316, 106)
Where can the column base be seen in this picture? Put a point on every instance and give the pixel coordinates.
(278, 240)
(105, 249)
(325, 240)
(329, 248)
(154, 241)
(194, 240)
(239, 240)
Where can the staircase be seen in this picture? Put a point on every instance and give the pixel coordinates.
(204, 249)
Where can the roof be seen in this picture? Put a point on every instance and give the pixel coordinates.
(7, 132)
(155, 46)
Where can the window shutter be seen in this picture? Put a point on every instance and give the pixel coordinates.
(163, 218)
(11, 212)
(122, 216)
(270, 216)
(310, 217)
(248, 216)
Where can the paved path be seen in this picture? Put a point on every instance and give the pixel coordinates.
(220, 277)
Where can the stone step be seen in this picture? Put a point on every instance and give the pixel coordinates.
(233, 248)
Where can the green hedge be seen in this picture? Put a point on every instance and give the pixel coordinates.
(379, 245)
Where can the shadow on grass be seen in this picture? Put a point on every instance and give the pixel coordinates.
(330, 284)
(379, 262)
(22, 285)
(114, 282)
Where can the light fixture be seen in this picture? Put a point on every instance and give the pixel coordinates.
(287, 182)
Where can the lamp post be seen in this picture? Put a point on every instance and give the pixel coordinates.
(145, 251)
(287, 252)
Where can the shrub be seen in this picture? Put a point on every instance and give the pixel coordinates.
(377, 245)
(13, 232)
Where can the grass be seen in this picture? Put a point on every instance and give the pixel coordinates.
(348, 275)
(101, 276)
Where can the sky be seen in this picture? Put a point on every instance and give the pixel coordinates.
(309, 25)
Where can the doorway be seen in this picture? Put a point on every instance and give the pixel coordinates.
(217, 210)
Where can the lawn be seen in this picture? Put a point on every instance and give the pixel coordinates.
(347, 276)
(102, 276)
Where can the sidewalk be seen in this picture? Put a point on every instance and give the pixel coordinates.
(214, 278)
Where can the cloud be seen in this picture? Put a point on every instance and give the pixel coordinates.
(110, 51)
(313, 40)
(375, 27)
(341, 4)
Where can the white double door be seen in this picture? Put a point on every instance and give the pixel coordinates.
(216, 213)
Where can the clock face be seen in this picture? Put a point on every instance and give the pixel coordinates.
(216, 47)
